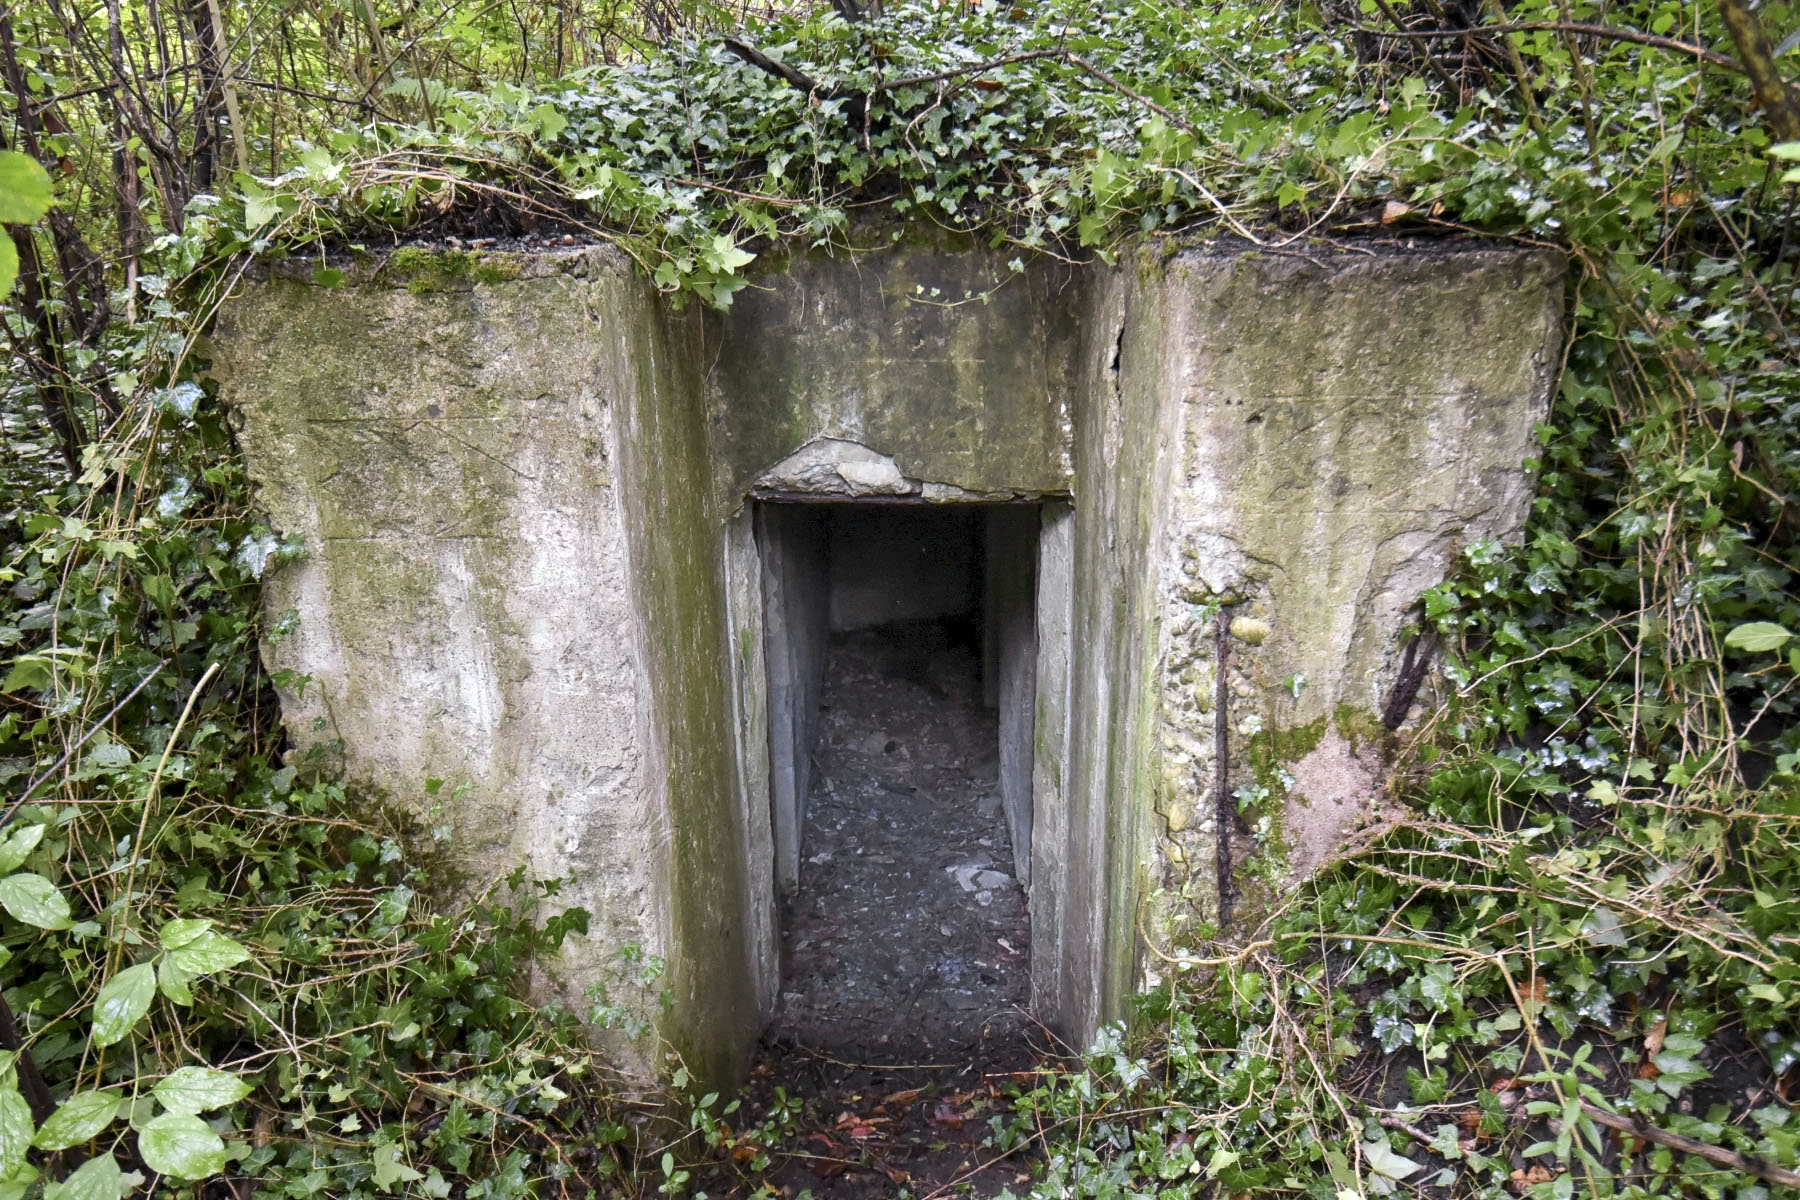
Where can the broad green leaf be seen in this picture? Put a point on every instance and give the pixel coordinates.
(16, 1185)
(1385, 1166)
(96, 1179)
(19, 842)
(207, 952)
(181, 1145)
(194, 1090)
(1757, 637)
(549, 121)
(178, 933)
(725, 256)
(9, 274)
(34, 900)
(81, 1117)
(16, 1128)
(173, 981)
(123, 1002)
(160, 591)
(25, 193)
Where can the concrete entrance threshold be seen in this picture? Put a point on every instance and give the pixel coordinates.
(530, 496)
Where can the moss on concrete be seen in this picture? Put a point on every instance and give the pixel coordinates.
(424, 270)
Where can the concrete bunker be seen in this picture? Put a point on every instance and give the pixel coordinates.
(530, 494)
(900, 647)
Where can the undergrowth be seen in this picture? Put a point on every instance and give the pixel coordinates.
(221, 967)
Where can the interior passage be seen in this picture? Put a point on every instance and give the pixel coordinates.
(905, 927)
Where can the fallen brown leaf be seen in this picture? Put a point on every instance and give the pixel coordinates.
(946, 1116)
(1522, 1181)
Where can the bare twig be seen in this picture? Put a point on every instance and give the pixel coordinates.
(96, 727)
(1222, 765)
(1607, 32)
(1718, 1155)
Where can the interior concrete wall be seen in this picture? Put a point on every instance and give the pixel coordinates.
(1053, 844)
(1099, 814)
(1010, 625)
(903, 562)
(794, 541)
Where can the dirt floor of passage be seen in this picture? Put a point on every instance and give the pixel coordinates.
(905, 960)
(840, 1130)
(908, 936)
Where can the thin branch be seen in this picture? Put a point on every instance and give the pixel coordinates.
(972, 69)
(1772, 91)
(1223, 811)
(1730, 1159)
(1608, 32)
(780, 70)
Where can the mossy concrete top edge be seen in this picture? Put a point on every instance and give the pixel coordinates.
(444, 267)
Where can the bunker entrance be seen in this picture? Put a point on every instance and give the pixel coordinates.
(901, 650)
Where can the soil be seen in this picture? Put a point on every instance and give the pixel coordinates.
(908, 935)
(905, 965)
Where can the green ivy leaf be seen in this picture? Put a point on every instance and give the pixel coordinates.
(18, 845)
(725, 257)
(30, 672)
(96, 1179)
(1757, 637)
(16, 1128)
(259, 209)
(194, 1090)
(34, 900)
(1385, 1166)
(389, 1170)
(181, 1145)
(81, 1117)
(1602, 928)
(122, 1003)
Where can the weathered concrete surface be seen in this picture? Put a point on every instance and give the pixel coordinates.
(1335, 436)
(930, 358)
(513, 585)
(1010, 622)
(793, 541)
(532, 572)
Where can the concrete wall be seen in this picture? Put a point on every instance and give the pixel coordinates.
(893, 562)
(1329, 441)
(531, 571)
(1010, 639)
(513, 585)
(794, 543)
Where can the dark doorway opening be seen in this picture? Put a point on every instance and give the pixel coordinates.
(900, 641)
